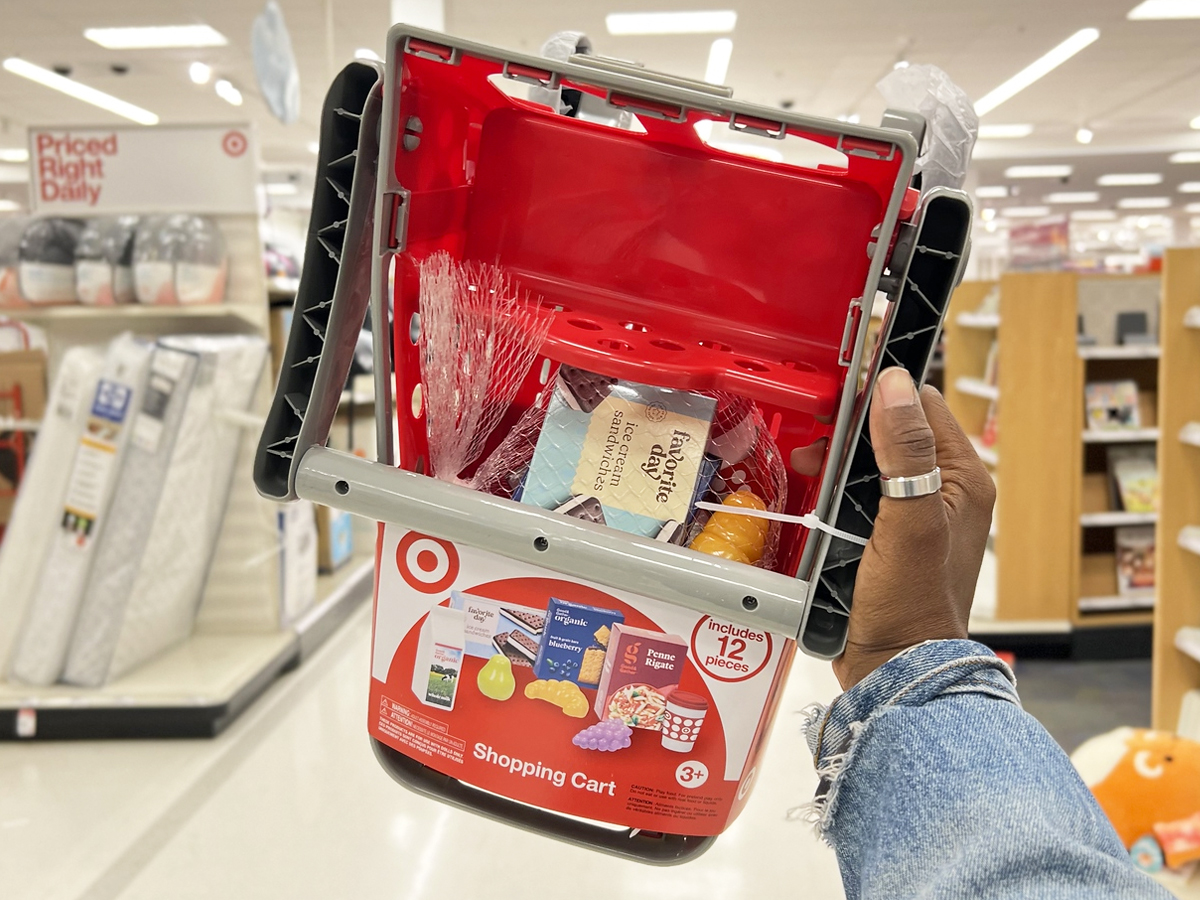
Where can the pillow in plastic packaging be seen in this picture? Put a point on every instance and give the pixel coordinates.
(950, 117)
(104, 261)
(179, 259)
(46, 263)
(11, 230)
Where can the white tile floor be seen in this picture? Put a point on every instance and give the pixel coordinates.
(290, 803)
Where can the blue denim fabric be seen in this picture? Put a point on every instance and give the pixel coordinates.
(936, 784)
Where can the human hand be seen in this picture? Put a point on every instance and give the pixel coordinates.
(917, 577)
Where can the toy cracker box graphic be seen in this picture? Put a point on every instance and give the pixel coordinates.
(565, 694)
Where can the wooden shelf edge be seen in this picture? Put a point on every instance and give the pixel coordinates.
(1187, 641)
(1124, 436)
(1116, 519)
(984, 321)
(1121, 351)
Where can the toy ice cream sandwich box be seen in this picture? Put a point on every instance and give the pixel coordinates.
(623, 351)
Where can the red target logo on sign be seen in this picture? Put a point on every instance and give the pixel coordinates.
(426, 564)
(234, 143)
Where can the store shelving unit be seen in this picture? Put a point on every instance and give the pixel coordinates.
(239, 644)
(1177, 616)
(1054, 532)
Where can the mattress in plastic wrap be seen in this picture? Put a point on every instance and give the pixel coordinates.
(38, 509)
(149, 574)
(41, 649)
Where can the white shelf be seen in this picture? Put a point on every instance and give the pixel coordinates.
(1190, 434)
(977, 387)
(978, 320)
(19, 424)
(987, 454)
(983, 625)
(1117, 602)
(1191, 318)
(1116, 518)
(1189, 538)
(1187, 640)
(1122, 351)
(130, 311)
(1120, 436)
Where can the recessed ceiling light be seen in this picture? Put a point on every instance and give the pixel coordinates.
(314, 147)
(14, 155)
(227, 92)
(1000, 132)
(718, 61)
(1144, 202)
(1051, 171)
(1036, 70)
(1025, 212)
(1129, 179)
(1093, 215)
(1165, 9)
(1192, 208)
(990, 227)
(281, 189)
(1084, 135)
(73, 88)
(1185, 156)
(1072, 197)
(199, 73)
(987, 214)
(367, 53)
(709, 21)
(9, 206)
(156, 36)
(1190, 187)
(991, 191)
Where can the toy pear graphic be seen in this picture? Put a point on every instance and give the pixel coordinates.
(496, 678)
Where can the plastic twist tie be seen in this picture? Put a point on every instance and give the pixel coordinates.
(808, 520)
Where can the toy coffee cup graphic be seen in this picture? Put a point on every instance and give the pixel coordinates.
(681, 724)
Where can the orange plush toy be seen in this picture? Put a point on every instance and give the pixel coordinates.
(1148, 783)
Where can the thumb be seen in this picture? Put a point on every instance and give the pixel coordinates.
(900, 434)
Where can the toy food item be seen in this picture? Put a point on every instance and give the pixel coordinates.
(563, 694)
(570, 631)
(681, 724)
(641, 669)
(735, 537)
(496, 678)
(610, 735)
(639, 706)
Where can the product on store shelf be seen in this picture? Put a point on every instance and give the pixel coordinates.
(11, 230)
(641, 669)
(1112, 405)
(495, 679)
(1135, 560)
(564, 694)
(637, 450)
(152, 560)
(47, 261)
(179, 259)
(41, 650)
(104, 261)
(1134, 474)
(570, 647)
(439, 657)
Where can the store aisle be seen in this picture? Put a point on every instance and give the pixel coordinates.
(291, 803)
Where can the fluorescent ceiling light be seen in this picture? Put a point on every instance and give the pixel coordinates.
(1190, 187)
(709, 21)
(1093, 215)
(987, 214)
(367, 53)
(1185, 156)
(991, 191)
(1000, 132)
(1072, 197)
(281, 189)
(1192, 208)
(155, 37)
(1165, 9)
(227, 92)
(73, 88)
(1129, 179)
(314, 147)
(9, 206)
(1084, 135)
(718, 61)
(14, 155)
(1052, 171)
(1025, 212)
(1195, 123)
(199, 73)
(1036, 70)
(1144, 202)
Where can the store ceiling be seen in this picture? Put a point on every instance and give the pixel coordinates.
(1137, 87)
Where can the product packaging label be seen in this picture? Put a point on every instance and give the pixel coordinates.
(694, 696)
(154, 282)
(197, 283)
(47, 282)
(95, 460)
(575, 642)
(94, 282)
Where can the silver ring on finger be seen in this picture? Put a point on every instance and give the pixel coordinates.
(902, 488)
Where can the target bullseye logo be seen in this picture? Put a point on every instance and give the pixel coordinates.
(426, 564)
(234, 143)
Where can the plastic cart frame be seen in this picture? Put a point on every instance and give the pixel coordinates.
(360, 221)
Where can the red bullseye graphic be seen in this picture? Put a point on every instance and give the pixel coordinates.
(234, 143)
(425, 563)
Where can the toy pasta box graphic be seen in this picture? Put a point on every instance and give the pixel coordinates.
(671, 747)
(573, 643)
(641, 669)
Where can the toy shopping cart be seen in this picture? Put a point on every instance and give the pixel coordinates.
(598, 686)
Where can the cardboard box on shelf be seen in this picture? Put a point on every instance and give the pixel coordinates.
(335, 539)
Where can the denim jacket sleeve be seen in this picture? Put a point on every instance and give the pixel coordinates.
(935, 783)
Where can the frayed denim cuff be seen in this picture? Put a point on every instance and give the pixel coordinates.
(911, 678)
